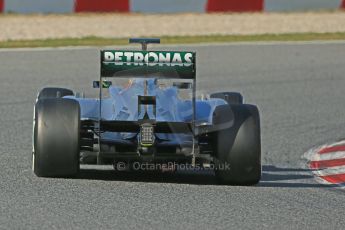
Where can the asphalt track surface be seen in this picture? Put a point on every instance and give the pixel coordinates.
(299, 89)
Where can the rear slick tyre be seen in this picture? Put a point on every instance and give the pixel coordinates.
(232, 98)
(56, 138)
(239, 146)
(51, 92)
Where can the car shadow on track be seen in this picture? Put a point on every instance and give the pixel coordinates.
(272, 176)
(180, 177)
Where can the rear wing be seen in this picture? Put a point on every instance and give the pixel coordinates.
(161, 64)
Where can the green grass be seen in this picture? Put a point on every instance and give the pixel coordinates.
(98, 41)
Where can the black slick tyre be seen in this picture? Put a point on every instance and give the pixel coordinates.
(56, 138)
(238, 148)
(52, 92)
(232, 98)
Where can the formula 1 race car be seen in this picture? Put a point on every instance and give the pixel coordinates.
(147, 112)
